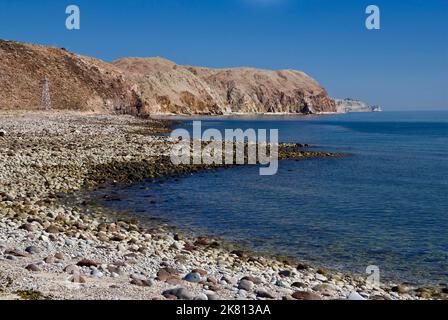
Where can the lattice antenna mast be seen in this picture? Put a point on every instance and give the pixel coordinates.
(46, 99)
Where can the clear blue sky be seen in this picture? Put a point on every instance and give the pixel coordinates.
(402, 66)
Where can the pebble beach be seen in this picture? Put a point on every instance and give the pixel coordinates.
(51, 249)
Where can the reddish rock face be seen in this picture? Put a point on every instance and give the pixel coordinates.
(167, 87)
(149, 85)
(75, 82)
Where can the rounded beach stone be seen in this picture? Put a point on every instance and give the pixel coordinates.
(32, 267)
(246, 285)
(303, 295)
(193, 277)
(32, 250)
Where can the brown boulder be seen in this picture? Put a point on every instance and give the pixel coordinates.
(304, 295)
(88, 263)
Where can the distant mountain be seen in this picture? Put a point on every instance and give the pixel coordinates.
(168, 87)
(351, 105)
(75, 82)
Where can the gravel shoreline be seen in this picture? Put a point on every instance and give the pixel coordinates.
(52, 250)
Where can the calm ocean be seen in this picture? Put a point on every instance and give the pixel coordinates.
(387, 205)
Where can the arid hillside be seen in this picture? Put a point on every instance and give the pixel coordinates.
(168, 87)
(148, 85)
(75, 82)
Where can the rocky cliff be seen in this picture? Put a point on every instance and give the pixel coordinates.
(168, 87)
(75, 82)
(351, 105)
(154, 85)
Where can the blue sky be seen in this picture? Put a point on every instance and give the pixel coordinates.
(402, 66)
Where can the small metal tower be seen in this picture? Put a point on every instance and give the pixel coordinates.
(46, 99)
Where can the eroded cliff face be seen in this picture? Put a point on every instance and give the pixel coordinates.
(149, 85)
(75, 82)
(167, 87)
(250, 90)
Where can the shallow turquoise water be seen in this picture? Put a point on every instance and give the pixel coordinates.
(387, 205)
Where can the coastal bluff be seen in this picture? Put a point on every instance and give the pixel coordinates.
(167, 87)
(148, 85)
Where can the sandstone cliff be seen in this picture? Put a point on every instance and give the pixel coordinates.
(168, 87)
(75, 82)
